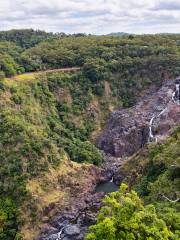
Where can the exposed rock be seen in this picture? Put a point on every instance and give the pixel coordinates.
(72, 230)
(49, 229)
(73, 222)
(127, 130)
(51, 237)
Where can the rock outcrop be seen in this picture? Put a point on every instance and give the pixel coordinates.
(127, 130)
(72, 223)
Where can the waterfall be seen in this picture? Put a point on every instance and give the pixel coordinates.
(175, 99)
(176, 93)
(112, 179)
(59, 234)
(152, 137)
(162, 112)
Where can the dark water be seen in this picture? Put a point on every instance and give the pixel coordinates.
(107, 187)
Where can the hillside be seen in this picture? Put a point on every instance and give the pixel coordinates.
(50, 120)
(118, 34)
(153, 173)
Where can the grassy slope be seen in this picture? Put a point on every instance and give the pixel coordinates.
(33, 158)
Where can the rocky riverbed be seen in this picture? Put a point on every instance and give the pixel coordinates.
(126, 131)
(73, 222)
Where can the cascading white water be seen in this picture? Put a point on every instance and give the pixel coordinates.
(176, 94)
(162, 112)
(175, 99)
(112, 179)
(151, 135)
(59, 234)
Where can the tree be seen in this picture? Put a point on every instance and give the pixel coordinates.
(95, 69)
(2, 75)
(7, 219)
(124, 217)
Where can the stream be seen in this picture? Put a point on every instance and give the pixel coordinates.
(107, 187)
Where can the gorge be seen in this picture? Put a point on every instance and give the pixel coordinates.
(126, 132)
(79, 115)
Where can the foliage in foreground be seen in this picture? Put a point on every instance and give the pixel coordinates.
(124, 217)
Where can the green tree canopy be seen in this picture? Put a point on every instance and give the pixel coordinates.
(124, 217)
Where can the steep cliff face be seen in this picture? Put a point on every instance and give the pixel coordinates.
(127, 130)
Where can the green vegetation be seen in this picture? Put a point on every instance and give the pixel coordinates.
(47, 116)
(26, 38)
(37, 126)
(128, 63)
(7, 219)
(124, 217)
(160, 175)
(9, 59)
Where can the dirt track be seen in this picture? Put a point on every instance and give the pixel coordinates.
(72, 69)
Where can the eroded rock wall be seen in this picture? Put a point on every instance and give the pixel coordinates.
(127, 130)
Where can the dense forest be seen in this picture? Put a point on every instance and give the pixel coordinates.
(46, 117)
